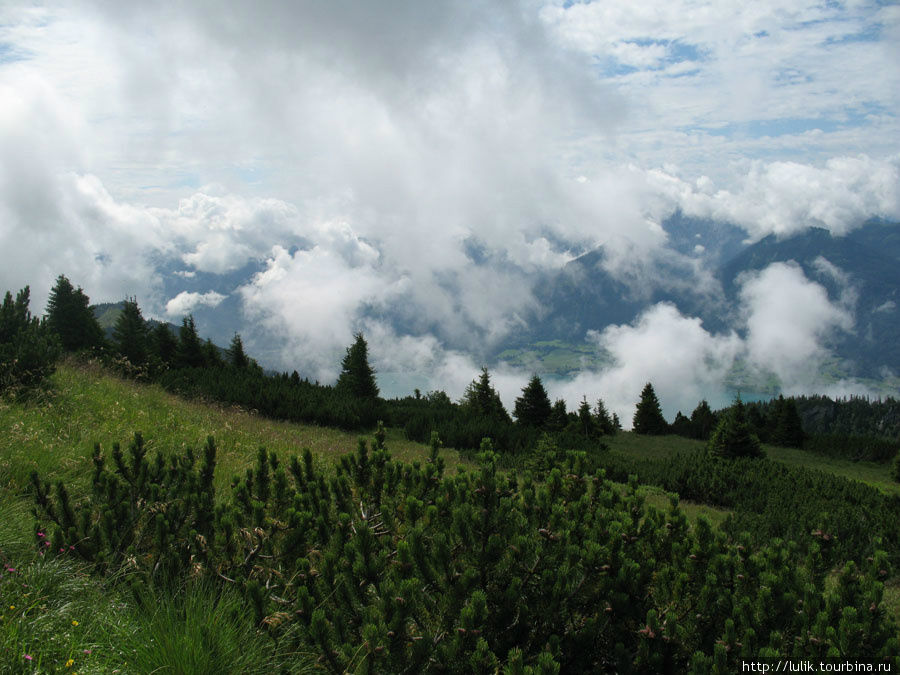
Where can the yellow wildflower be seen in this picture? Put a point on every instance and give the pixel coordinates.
(74, 623)
(70, 663)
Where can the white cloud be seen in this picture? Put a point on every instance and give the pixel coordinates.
(785, 198)
(185, 302)
(789, 322)
(683, 360)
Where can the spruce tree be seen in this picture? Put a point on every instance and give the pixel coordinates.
(587, 425)
(357, 377)
(69, 315)
(190, 349)
(559, 417)
(604, 420)
(28, 349)
(235, 353)
(533, 406)
(211, 356)
(703, 421)
(788, 429)
(482, 399)
(648, 417)
(733, 436)
(163, 344)
(130, 334)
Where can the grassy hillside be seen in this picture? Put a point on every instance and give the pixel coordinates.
(84, 406)
(871, 473)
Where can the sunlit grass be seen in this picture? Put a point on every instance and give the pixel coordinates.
(55, 434)
(659, 447)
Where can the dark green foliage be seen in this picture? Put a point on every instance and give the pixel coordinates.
(897, 468)
(190, 352)
(482, 400)
(130, 335)
(211, 356)
(28, 349)
(856, 448)
(163, 345)
(559, 418)
(787, 429)
(733, 436)
(533, 406)
(703, 421)
(770, 499)
(854, 416)
(648, 417)
(387, 567)
(605, 422)
(235, 355)
(357, 378)
(156, 515)
(70, 317)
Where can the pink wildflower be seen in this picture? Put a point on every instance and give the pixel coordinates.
(28, 657)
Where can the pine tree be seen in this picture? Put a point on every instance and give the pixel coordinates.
(357, 377)
(163, 344)
(236, 355)
(190, 349)
(69, 315)
(130, 334)
(28, 349)
(788, 429)
(587, 425)
(533, 406)
(648, 417)
(733, 436)
(604, 421)
(211, 356)
(482, 399)
(682, 426)
(559, 418)
(703, 421)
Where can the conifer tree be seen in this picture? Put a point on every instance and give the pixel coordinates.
(897, 468)
(28, 349)
(211, 355)
(235, 353)
(587, 425)
(130, 334)
(190, 349)
(604, 421)
(733, 436)
(559, 417)
(788, 429)
(69, 315)
(682, 426)
(703, 420)
(533, 406)
(482, 399)
(357, 377)
(648, 417)
(163, 344)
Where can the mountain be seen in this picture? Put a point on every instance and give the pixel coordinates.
(860, 271)
(867, 277)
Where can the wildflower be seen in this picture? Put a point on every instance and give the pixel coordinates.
(87, 651)
(74, 622)
(70, 663)
(28, 657)
(12, 606)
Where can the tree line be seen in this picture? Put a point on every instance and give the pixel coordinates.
(190, 366)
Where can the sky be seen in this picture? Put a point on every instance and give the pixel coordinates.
(310, 169)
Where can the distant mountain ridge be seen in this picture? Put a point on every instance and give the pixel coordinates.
(585, 296)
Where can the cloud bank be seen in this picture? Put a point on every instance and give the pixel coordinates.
(417, 169)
